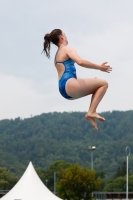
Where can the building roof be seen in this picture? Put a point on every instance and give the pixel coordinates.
(30, 187)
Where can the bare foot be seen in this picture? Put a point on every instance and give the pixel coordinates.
(94, 115)
(93, 122)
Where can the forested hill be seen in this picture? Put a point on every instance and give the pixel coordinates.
(66, 136)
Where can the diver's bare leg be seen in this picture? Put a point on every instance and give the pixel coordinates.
(96, 98)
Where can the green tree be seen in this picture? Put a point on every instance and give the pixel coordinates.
(119, 184)
(101, 174)
(77, 183)
(121, 170)
(47, 176)
(7, 180)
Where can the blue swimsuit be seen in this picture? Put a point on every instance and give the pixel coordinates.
(69, 72)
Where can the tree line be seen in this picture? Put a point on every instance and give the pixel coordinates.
(66, 136)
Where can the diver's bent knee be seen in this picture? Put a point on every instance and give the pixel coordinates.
(106, 83)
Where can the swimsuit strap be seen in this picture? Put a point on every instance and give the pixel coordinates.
(57, 53)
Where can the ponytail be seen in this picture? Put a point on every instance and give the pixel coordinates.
(48, 38)
(46, 45)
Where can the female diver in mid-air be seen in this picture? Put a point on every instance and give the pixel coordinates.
(70, 86)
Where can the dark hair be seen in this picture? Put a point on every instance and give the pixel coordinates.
(51, 37)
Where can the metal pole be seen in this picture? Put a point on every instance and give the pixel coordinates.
(128, 154)
(91, 159)
(55, 183)
(92, 164)
(127, 181)
(92, 148)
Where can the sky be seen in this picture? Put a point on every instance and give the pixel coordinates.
(99, 30)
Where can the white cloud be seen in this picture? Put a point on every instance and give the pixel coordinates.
(19, 98)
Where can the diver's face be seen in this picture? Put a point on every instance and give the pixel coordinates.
(65, 38)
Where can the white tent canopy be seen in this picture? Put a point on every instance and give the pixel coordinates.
(30, 187)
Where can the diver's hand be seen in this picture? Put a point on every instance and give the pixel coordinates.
(105, 68)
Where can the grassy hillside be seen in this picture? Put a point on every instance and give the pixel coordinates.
(66, 136)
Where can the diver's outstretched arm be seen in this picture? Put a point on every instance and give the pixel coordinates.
(84, 63)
